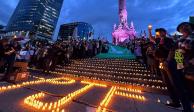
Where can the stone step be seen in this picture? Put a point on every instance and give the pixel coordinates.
(109, 63)
(119, 71)
(140, 83)
(110, 66)
(113, 60)
(112, 76)
(135, 74)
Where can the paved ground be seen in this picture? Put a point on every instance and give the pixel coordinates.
(13, 100)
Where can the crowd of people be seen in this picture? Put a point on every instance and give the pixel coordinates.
(44, 55)
(168, 57)
(172, 59)
(61, 52)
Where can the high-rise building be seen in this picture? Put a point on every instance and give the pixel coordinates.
(79, 30)
(191, 20)
(2, 31)
(36, 18)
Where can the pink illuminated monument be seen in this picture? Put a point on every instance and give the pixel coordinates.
(123, 33)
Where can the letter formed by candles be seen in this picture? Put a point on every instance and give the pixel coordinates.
(34, 100)
(56, 81)
(116, 91)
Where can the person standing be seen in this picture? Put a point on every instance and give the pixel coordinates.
(150, 57)
(11, 51)
(3, 43)
(138, 52)
(163, 47)
(178, 65)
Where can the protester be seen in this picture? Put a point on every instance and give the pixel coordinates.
(138, 51)
(10, 51)
(164, 45)
(174, 56)
(3, 43)
(150, 58)
(176, 61)
(179, 65)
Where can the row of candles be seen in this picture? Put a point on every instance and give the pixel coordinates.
(107, 67)
(129, 77)
(103, 59)
(115, 91)
(131, 68)
(118, 93)
(96, 84)
(110, 65)
(138, 97)
(112, 70)
(132, 77)
(106, 100)
(55, 106)
(117, 59)
(41, 78)
(107, 61)
(93, 76)
(129, 89)
(100, 70)
(62, 82)
(108, 72)
(118, 88)
(51, 81)
(96, 77)
(33, 100)
(120, 69)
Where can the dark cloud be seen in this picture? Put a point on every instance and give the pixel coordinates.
(102, 14)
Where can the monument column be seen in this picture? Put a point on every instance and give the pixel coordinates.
(123, 12)
(122, 5)
(122, 33)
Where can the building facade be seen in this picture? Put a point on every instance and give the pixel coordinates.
(76, 30)
(2, 31)
(191, 19)
(37, 18)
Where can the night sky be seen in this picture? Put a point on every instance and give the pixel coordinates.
(102, 14)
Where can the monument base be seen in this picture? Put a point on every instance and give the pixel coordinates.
(117, 52)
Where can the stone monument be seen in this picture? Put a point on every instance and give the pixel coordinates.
(123, 33)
